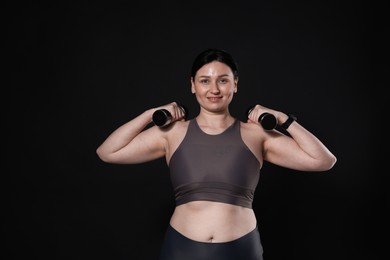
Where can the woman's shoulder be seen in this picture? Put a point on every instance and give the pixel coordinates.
(253, 131)
(249, 126)
(181, 125)
(176, 128)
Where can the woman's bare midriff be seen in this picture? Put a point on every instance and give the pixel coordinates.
(214, 222)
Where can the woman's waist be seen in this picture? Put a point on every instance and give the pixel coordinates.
(208, 221)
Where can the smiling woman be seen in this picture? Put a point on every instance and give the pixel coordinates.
(215, 161)
(214, 86)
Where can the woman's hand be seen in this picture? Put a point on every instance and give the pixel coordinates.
(177, 112)
(255, 113)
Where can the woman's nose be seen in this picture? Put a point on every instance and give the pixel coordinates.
(214, 88)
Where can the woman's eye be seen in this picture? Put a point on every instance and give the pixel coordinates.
(223, 81)
(204, 81)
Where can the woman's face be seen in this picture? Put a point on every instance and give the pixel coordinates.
(214, 86)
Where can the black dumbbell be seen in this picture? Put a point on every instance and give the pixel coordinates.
(163, 117)
(267, 120)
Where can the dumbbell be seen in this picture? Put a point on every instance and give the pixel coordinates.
(267, 120)
(163, 117)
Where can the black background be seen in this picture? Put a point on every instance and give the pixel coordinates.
(78, 71)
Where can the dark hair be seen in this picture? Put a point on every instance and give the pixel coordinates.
(211, 55)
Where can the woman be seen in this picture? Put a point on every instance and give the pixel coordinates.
(214, 162)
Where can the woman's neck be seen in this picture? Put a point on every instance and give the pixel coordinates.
(214, 122)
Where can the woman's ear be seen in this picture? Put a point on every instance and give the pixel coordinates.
(192, 86)
(235, 85)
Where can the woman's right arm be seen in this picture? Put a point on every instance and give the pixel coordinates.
(130, 143)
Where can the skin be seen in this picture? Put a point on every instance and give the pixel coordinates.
(214, 87)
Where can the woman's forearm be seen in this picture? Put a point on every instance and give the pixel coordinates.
(310, 144)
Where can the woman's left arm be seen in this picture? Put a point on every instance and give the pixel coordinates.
(302, 151)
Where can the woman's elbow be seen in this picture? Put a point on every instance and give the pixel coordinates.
(327, 163)
(102, 156)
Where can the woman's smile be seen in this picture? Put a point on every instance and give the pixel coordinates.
(214, 99)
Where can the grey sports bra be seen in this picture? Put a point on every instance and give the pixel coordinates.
(214, 167)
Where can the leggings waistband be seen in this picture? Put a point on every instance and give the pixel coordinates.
(172, 229)
(178, 247)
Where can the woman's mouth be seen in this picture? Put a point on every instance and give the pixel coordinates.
(214, 99)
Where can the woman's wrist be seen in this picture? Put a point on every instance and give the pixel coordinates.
(287, 121)
(149, 114)
(282, 117)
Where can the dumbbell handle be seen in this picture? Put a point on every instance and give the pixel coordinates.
(163, 117)
(267, 120)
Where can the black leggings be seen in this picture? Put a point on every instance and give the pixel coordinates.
(178, 247)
